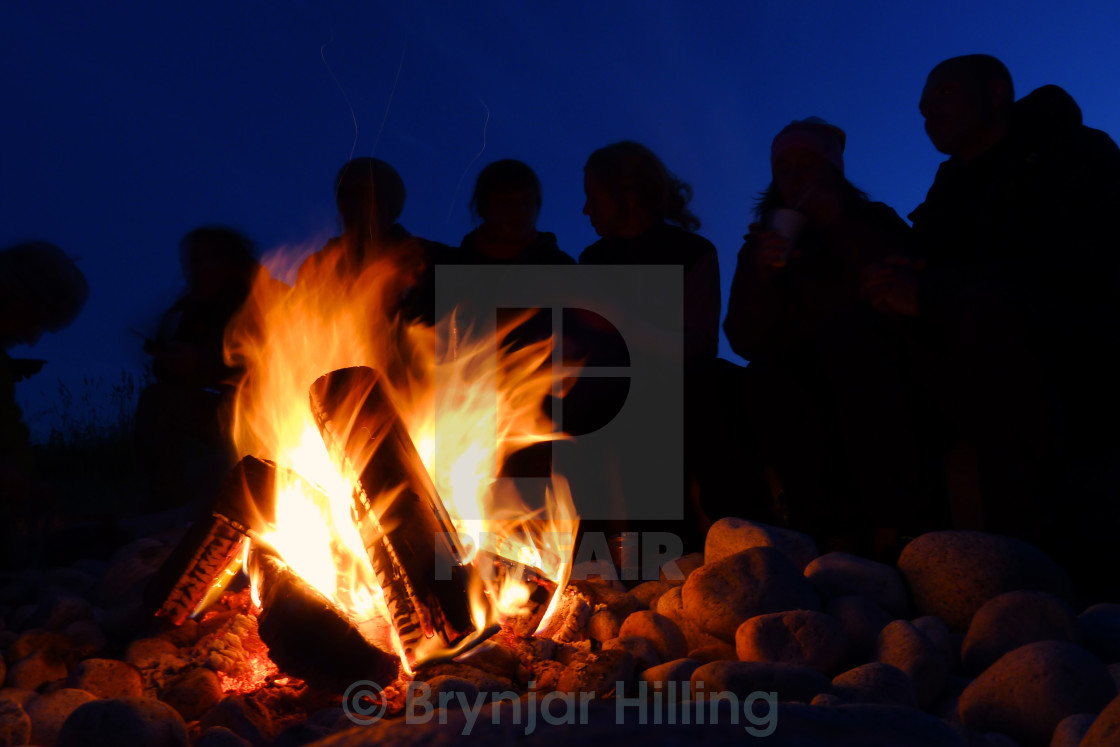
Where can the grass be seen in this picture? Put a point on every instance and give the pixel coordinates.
(89, 455)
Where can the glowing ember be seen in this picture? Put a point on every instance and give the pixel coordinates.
(468, 401)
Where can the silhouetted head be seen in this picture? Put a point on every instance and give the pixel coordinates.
(216, 259)
(507, 197)
(966, 104)
(807, 162)
(628, 188)
(805, 157)
(370, 196)
(41, 290)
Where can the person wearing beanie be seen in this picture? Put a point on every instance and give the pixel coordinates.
(830, 408)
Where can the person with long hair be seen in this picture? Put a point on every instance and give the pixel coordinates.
(828, 393)
(640, 210)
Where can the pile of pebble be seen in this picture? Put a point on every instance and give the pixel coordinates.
(973, 639)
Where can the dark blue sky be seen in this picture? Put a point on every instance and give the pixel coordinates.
(126, 124)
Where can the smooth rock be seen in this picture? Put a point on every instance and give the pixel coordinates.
(676, 571)
(1099, 631)
(838, 574)
(16, 695)
(124, 721)
(641, 649)
(219, 736)
(602, 626)
(87, 638)
(194, 693)
(659, 630)
(1072, 729)
(15, 724)
(716, 652)
(33, 671)
(939, 635)
(875, 682)
(648, 592)
(731, 535)
(803, 637)
(242, 716)
(1014, 619)
(678, 670)
(106, 678)
(1105, 731)
(145, 653)
(862, 619)
(789, 681)
(951, 574)
(671, 605)
(1028, 691)
(57, 612)
(49, 712)
(453, 685)
(904, 646)
(35, 641)
(721, 595)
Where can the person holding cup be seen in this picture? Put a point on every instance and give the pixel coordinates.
(829, 404)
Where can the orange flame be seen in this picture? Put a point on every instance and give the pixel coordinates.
(460, 395)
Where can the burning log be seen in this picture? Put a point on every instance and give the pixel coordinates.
(405, 529)
(212, 551)
(308, 636)
(541, 588)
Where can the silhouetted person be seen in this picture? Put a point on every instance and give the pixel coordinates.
(1019, 293)
(41, 290)
(507, 198)
(640, 209)
(180, 416)
(370, 196)
(828, 394)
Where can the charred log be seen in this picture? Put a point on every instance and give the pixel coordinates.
(405, 529)
(211, 552)
(309, 637)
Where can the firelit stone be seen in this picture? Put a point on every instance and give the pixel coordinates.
(87, 638)
(757, 581)
(659, 630)
(671, 606)
(904, 646)
(106, 678)
(194, 693)
(789, 681)
(1015, 619)
(862, 619)
(603, 626)
(731, 535)
(951, 574)
(124, 721)
(242, 716)
(1105, 730)
(144, 653)
(49, 712)
(648, 592)
(219, 736)
(641, 649)
(678, 670)
(676, 571)
(838, 574)
(15, 724)
(875, 682)
(716, 652)
(1072, 729)
(803, 637)
(1028, 691)
(35, 670)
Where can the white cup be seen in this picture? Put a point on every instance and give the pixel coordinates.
(789, 223)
